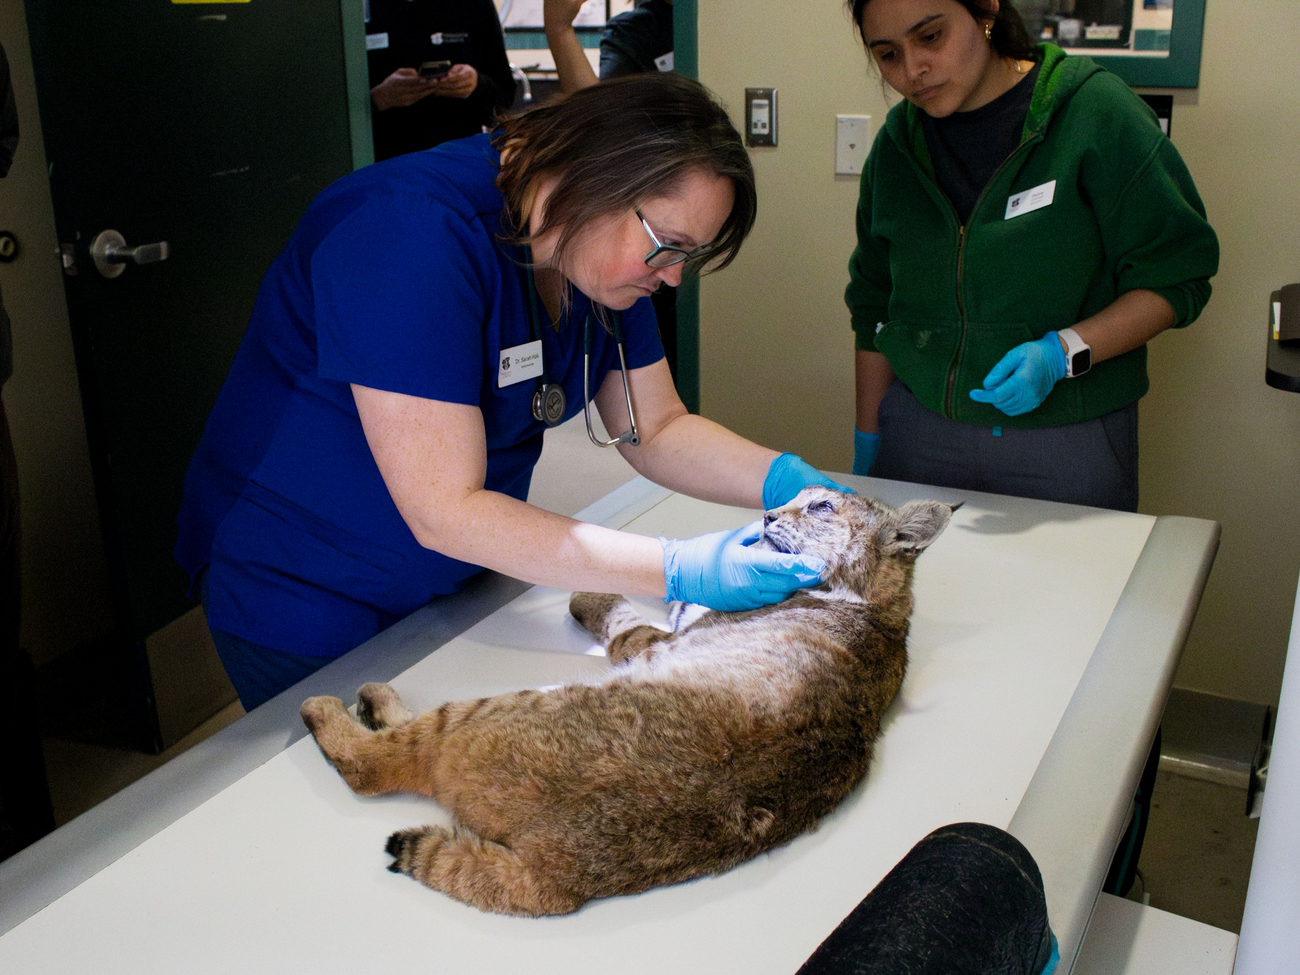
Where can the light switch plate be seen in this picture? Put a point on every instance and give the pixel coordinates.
(852, 141)
(760, 116)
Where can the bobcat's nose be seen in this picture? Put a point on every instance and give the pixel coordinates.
(769, 517)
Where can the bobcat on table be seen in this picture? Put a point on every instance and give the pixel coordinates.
(702, 747)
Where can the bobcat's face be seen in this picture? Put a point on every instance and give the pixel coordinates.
(819, 522)
(856, 535)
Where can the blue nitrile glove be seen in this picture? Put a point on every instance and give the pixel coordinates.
(721, 571)
(1024, 377)
(1054, 959)
(788, 475)
(865, 448)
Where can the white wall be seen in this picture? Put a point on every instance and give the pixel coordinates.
(776, 349)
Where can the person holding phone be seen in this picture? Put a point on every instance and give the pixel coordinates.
(438, 71)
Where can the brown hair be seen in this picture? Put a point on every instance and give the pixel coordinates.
(1009, 37)
(613, 145)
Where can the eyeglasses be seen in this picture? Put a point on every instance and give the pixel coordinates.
(666, 255)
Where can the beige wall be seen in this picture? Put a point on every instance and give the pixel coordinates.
(775, 345)
(1217, 441)
(776, 350)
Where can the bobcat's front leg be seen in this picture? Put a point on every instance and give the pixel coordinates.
(379, 707)
(612, 620)
(367, 760)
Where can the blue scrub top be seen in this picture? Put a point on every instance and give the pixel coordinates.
(395, 279)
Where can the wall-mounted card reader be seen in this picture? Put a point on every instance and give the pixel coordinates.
(1286, 313)
(1282, 361)
(760, 116)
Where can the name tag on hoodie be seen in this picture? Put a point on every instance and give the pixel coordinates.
(1030, 200)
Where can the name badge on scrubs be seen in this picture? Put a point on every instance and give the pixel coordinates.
(518, 363)
(1030, 200)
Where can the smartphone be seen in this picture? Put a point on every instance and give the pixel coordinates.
(434, 69)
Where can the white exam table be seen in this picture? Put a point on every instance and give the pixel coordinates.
(1044, 640)
(1268, 938)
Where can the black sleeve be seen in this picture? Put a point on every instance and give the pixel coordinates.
(615, 62)
(496, 83)
(634, 40)
(8, 116)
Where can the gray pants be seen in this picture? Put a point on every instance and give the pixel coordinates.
(1093, 463)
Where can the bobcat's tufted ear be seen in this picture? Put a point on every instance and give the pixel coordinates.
(919, 524)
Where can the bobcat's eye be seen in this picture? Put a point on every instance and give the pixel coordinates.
(821, 508)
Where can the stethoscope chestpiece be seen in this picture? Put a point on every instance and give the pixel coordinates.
(548, 403)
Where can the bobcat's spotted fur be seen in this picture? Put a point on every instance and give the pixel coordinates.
(700, 749)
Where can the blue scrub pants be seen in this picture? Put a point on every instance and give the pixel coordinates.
(967, 900)
(258, 673)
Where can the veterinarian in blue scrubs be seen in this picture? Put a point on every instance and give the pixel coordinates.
(373, 444)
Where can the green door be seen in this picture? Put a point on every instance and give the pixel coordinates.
(206, 127)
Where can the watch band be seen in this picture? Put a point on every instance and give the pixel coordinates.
(1078, 354)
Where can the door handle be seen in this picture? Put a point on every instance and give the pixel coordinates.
(111, 254)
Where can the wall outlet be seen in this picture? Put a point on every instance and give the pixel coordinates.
(852, 141)
(760, 116)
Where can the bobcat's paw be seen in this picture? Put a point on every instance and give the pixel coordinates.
(410, 847)
(317, 713)
(379, 707)
(592, 610)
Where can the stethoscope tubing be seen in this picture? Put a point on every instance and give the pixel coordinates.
(548, 400)
(630, 436)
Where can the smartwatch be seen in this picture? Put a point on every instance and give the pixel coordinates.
(1078, 354)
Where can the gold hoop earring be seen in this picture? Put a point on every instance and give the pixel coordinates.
(988, 32)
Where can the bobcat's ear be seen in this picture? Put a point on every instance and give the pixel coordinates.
(919, 524)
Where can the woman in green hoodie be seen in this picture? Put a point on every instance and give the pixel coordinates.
(1024, 229)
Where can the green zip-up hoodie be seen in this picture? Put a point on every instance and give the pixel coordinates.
(945, 302)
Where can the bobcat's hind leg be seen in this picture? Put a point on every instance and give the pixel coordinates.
(612, 620)
(486, 875)
(379, 707)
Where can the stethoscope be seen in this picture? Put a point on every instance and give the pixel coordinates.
(549, 399)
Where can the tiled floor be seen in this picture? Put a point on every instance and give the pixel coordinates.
(1196, 859)
(83, 775)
